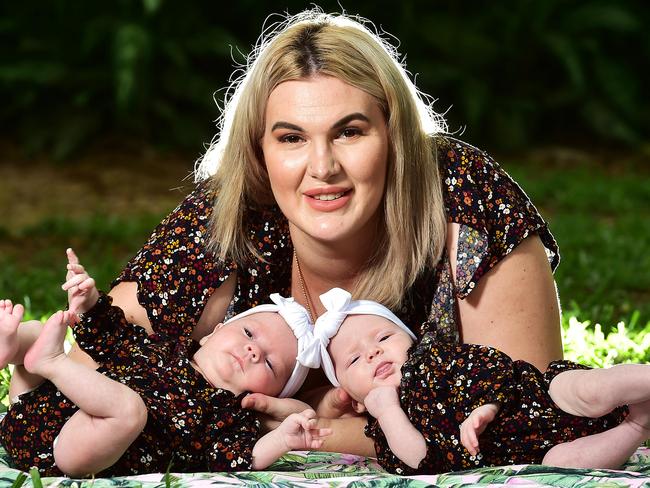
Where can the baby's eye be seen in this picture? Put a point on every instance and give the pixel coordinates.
(354, 360)
(270, 365)
(383, 338)
(248, 333)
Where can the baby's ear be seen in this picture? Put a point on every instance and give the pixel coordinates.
(204, 339)
(358, 406)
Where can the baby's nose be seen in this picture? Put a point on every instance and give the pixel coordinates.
(373, 352)
(253, 351)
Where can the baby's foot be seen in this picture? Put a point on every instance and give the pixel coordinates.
(10, 317)
(47, 350)
(640, 415)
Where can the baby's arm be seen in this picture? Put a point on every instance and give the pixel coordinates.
(404, 440)
(298, 431)
(474, 425)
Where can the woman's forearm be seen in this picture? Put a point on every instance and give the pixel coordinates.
(347, 436)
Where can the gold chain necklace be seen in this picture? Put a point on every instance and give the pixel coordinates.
(303, 287)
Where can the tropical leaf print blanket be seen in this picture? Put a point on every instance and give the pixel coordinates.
(309, 469)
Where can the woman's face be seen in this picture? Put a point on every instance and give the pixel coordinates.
(325, 147)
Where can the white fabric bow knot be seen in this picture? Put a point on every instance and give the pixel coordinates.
(298, 320)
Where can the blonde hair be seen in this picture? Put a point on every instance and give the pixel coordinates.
(314, 43)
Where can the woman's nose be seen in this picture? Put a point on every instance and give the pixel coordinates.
(322, 163)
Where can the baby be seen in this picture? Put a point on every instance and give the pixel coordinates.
(447, 407)
(151, 401)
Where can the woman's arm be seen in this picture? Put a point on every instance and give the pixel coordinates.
(347, 436)
(514, 306)
(347, 433)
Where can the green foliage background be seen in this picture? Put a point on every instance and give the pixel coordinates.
(510, 73)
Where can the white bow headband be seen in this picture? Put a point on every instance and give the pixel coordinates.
(339, 305)
(298, 320)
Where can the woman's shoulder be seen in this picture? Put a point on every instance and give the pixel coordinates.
(477, 191)
(465, 169)
(494, 213)
(453, 150)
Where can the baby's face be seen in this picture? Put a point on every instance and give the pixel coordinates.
(256, 353)
(368, 351)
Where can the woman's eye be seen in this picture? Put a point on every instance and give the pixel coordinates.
(349, 132)
(248, 333)
(291, 139)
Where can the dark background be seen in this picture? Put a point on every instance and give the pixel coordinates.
(508, 74)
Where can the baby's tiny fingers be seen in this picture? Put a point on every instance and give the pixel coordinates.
(309, 413)
(76, 268)
(72, 257)
(74, 281)
(86, 284)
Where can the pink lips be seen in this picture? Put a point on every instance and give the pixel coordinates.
(327, 205)
(384, 370)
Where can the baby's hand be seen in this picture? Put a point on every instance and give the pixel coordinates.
(474, 425)
(82, 293)
(381, 400)
(300, 431)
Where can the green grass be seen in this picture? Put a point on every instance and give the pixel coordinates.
(33, 266)
(601, 221)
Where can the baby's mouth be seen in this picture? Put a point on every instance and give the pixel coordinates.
(384, 370)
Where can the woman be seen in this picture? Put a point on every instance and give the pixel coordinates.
(330, 169)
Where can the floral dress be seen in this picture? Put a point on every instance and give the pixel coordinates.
(442, 383)
(190, 424)
(176, 273)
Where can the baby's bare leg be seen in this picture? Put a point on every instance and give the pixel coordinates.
(110, 415)
(596, 392)
(15, 339)
(606, 450)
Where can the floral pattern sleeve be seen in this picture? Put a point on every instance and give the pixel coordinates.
(494, 213)
(174, 270)
(103, 330)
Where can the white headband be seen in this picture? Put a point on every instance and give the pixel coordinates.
(298, 321)
(339, 305)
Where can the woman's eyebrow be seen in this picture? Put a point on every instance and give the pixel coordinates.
(339, 123)
(286, 125)
(349, 118)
